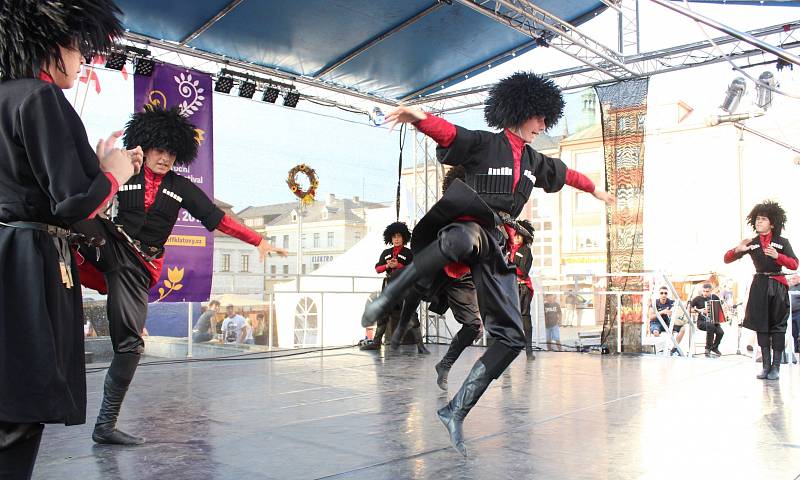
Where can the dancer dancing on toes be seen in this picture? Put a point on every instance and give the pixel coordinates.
(130, 263)
(392, 260)
(472, 222)
(768, 302)
(520, 256)
(50, 177)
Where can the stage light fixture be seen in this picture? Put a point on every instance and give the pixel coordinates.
(270, 94)
(291, 99)
(145, 66)
(542, 42)
(377, 117)
(763, 92)
(224, 85)
(116, 60)
(734, 94)
(247, 89)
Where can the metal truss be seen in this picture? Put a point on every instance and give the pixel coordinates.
(628, 24)
(551, 31)
(428, 174)
(645, 64)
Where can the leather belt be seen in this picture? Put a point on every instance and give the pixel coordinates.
(58, 232)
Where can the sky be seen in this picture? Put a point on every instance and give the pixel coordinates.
(257, 143)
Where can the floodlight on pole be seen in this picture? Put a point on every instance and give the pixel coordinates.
(270, 94)
(145, 66)
(290, 99)
(247, 89)
(764, 86)
(734, 95)
(377, 117)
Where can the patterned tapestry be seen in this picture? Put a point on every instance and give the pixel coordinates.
(624, 108)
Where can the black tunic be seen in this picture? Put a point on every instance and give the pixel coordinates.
(48, 173)
(768, 301)
(487, 191)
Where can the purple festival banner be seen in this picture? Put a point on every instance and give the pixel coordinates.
(186, 276)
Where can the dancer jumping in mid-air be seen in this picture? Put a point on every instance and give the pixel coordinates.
(472, 222)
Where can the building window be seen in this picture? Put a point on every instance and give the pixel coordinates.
(226, 262)
(314, 267)
(306, 331)
(286, 241)
(286, 269)
(358, 236)
(330, 239)
(272, 240)
(245, 263)
(303, 240)
(316, 240)
(273, 270)
(303, 268)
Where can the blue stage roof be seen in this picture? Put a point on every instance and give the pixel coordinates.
(414, 46)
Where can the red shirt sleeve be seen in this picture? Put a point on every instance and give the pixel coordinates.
(580, 181)
(229, 226)
(731, 256)
(440, 130)
(380, 268)
(788, 262)
(114, 189)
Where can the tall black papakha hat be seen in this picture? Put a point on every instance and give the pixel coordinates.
(32, 30)
(516, 99)
(168, 130)
(396, 227)
(526, 232)
(771, 210)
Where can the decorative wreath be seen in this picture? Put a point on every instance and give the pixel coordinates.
(305, 196)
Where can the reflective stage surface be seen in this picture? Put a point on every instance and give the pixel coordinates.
(360, 415)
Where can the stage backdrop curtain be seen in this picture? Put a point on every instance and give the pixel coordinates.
(624, 108)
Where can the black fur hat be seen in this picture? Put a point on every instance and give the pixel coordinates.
(155, 127)
(452, 174)
(396, 227)
(32, 30)
(771, 210)
(516, 99)
(527, 234)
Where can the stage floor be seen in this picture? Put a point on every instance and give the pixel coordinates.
(359, 415)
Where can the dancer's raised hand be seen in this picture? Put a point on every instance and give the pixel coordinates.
(404, 114)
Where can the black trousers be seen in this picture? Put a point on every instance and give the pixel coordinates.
(495, 280)
(796, 327)
(713, 331)
(463, 301)
(525, 298)
(19, 445)
(128, 285)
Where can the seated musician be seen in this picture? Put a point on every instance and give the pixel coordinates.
(702, 306)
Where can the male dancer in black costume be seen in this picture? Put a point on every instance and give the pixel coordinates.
(520, 256)
(49, 178)
(130, 262)
(391, 261)
(472, 222)
(768, 303)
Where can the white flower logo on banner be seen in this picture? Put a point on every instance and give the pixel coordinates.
(192, 92)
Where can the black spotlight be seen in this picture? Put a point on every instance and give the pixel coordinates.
(145, 66)
(271, 95)
(247, 89)
(291, 99)
(224, 84)
(116, 60)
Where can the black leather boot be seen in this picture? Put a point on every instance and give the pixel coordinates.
(119, 376)
(376, 339)
(775, 370)
(452, 415)
(420, 344)
(461, 340)
(493, 363)
(766, 362)
(427, 262)
(405, 324)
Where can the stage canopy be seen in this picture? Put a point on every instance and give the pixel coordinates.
(388, 49)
